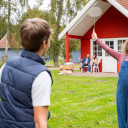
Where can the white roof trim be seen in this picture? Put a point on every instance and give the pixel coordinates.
(90, 3)
(81, 18)
(2, 38)
(79, 15)
(119, 7)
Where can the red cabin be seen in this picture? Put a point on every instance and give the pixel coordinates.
(111, 27)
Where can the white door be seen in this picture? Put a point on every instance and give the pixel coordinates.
(109, 64)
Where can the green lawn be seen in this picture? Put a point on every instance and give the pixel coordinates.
(83, 102)
(51, 63)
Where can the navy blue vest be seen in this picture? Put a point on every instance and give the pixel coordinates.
(16, 110)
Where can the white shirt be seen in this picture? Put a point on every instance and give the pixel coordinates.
(86, 62)
(41, 89)
(69, 63)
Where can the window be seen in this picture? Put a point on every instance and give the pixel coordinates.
(110, 44)
(120, 45)
(97, 50)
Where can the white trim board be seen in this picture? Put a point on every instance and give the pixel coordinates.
(82, 17)
(84, 11)
(113, 38)
(73, 22)
(119, 7)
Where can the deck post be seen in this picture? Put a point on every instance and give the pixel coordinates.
(67, 47)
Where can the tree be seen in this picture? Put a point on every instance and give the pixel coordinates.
(13, 11)
(61, 13)
(74, 45)
(11, 8)
(64, 11)
(3, 27)
(31, 13)
(57, 11)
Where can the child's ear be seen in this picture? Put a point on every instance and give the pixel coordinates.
(43, 43)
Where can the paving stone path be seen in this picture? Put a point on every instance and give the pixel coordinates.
(95, 74)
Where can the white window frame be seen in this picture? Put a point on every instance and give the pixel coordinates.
(107, 39)
(103, 57)
(115, 45)
(91, 47)
(122, 45)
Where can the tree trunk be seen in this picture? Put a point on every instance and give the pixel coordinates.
(56, 63)
(7, 40)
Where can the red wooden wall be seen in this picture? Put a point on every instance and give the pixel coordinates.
(113, 24)
(85, 48)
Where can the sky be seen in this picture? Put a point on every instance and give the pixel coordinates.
(44, 5)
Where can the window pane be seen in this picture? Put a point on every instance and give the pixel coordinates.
(120, 51)
(106, 54)
(111, 46)
(95, 53)
(120, 45)
(94, 43)
(119, 48)
(99, 48)
(99, 53)
(124, 41)
(107, 43)
(111, 43)
(94, 48)
(119, 42)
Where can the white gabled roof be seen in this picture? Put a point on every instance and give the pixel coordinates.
(69, 26)
(82, 22)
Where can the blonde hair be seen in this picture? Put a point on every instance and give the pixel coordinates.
(125, 48)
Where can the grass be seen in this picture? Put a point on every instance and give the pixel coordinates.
(83, 102)
(50, 63)
(1, 64)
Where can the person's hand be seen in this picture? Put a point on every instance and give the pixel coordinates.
(94, 36)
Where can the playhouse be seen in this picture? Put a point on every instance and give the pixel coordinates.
(111, 27)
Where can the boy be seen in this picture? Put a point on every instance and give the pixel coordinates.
(25, 83)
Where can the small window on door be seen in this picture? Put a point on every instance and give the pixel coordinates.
(120, 45)
(110, 44)
(97, 50)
